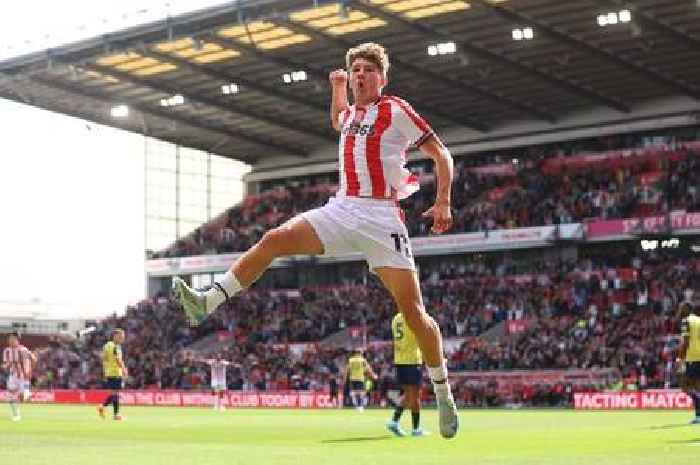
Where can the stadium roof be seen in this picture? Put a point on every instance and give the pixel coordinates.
(248, 79)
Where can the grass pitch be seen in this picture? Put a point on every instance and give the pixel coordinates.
(74, 435)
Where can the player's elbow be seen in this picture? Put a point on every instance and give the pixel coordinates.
(443, 155)
(436, 150)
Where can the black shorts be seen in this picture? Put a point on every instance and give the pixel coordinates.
(410, 375)
(692, 370)
(113, 384)
(357, 385)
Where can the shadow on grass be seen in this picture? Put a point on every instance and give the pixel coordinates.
(357, 439)
(671, 426)
(684, 441)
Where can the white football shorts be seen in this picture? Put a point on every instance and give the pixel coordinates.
(218, 386)
(15, 384)
(373, 227)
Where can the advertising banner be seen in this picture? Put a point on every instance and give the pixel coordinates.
(270, 399)
(675, 222)
(634, 400)
(450, 243)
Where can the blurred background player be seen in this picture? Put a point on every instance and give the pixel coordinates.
(17, 360)
(333, 390)
(688, 360)
(375, 132)
(218, 379)
(114, 371)
(407, 361)
(355, 372)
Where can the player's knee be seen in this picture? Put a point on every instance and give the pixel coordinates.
(416, 316)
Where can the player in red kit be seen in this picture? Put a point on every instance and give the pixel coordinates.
(375, 132)
(17, 361)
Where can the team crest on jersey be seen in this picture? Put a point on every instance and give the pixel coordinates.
(357, 129)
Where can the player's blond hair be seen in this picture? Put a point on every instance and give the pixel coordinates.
(369, 51)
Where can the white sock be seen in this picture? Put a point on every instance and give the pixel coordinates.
(214, 296)
(438, 373)
(15, 408)
(442, 390)
(438, 376)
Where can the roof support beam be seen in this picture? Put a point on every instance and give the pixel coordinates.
(646, 19)
(635, 67)
(524, 108)
(106, 121)
(483, 53)
(166, 115)
(229, 106)
(461, 120)
(321, 73)
(226, 77)
(253, 50)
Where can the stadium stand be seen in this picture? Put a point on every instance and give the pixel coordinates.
(631, 180)
(592, 307)
(606, 311)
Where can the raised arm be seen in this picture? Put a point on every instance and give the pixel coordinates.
(339, 95)
(444, 167)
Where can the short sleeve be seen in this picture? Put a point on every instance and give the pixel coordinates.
(409, 123)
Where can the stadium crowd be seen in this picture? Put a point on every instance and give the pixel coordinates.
(586, 313)
(637, 181)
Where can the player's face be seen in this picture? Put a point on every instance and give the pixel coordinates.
(366, 80)
(12, 341)
(119, 338)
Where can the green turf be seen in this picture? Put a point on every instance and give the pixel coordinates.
(73, 435)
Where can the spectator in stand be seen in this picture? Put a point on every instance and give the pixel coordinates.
(653, 181)
(611, 312)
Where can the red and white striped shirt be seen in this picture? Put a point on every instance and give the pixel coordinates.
(372, 151)
(18, 361)
(218, 371)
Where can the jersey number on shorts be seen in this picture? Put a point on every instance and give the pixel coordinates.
(401, 241)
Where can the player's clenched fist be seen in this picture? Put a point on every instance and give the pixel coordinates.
(339, 77)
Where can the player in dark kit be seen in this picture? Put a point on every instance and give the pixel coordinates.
(333, 390)
(114, 371)
(688, 361)
(408, 362)
(355, 372)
